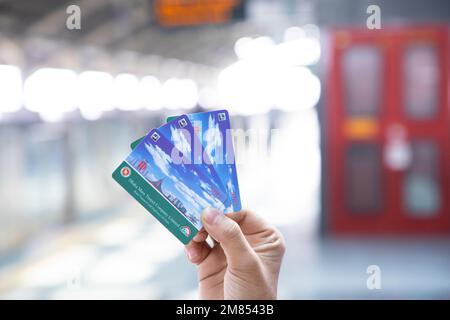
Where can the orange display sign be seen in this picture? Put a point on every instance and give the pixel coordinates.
(360, 128)
(193, 12)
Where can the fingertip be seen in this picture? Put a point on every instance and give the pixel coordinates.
(196, 252)
(191, 253)
(200, 236)
(210, 216)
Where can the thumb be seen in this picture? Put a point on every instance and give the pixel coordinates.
(228, 233)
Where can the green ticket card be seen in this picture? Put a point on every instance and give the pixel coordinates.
(155, 203)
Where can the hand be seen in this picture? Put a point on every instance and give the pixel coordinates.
(245, 260)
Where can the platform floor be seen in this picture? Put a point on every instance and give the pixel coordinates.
(129, 256)
(123, 253)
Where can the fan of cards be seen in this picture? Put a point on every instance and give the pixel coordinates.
(182, 167)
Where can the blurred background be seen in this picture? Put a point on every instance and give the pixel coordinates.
(346, 110)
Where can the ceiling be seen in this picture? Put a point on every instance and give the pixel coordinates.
(117, 25)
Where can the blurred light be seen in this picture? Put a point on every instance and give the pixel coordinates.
(150, 93)
(251, 88)
(126, 92)
(246, 48)
(241, 45)
(301, 46)
(208, 98)
(293, 33)
(95, 93)
(91, 114)
(299, 52)
(307, 31)
(245, 88)
(51, 92)
(10, 88)
(296, 88)
(180, 93)
(270, 75)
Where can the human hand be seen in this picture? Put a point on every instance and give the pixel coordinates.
(245, 260)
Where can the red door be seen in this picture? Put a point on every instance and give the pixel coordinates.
(388, 131)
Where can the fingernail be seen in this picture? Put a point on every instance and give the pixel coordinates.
(210, 215)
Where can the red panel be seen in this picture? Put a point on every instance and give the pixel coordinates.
(392, 217)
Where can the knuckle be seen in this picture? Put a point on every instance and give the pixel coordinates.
(281, 246)
(245, 212)
(231, 230)
(277, 241)
(281, 243)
